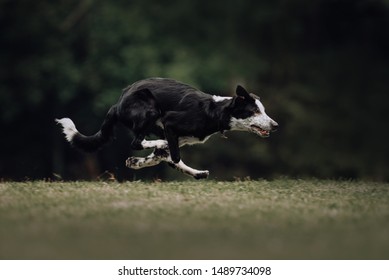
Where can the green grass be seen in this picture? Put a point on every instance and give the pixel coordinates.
(280, 219)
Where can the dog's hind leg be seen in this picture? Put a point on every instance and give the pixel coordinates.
(154, 158)
(140, 114)
(160, 155)
(140, 143)
(154, 144)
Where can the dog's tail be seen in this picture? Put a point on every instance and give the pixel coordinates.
(89, 143)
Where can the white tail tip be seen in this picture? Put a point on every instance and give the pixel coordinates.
(68, 128)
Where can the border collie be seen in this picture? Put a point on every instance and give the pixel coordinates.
(178, 115)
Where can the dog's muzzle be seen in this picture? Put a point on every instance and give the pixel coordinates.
(264, 132)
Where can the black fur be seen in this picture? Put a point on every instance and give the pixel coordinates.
(180, 108)
(94, 142)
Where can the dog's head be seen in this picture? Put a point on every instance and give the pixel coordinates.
(248, 114)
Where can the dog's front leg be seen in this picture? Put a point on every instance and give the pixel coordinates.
(172, 140)
(197, 174)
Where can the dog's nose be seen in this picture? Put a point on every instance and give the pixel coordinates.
(274, 126)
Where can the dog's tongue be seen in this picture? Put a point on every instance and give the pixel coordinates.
(264, 132)
(261, 131)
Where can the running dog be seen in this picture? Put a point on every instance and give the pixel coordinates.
(177, 114)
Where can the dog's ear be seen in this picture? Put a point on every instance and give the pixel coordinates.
(237, 101)
(241, 98)
(241, 92)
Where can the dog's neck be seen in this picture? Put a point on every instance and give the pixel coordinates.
(221, 112)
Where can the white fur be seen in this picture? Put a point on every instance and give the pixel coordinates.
(150, 144)
(189, 170)
(218, 98)
(68, 128)
(260, 119)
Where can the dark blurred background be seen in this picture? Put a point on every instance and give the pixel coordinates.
(321, 69)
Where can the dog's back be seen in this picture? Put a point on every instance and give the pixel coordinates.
(169, 94)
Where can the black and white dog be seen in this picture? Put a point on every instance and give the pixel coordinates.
(178, 115)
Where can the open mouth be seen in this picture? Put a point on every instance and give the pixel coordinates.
(261, 132)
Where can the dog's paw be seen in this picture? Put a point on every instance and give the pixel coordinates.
(201, 175)
(133, 162)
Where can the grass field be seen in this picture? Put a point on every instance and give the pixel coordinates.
(280, 219)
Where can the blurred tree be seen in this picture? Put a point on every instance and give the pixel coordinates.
(319, 66)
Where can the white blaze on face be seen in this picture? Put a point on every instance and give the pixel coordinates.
(259, 123)
(262, 120)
